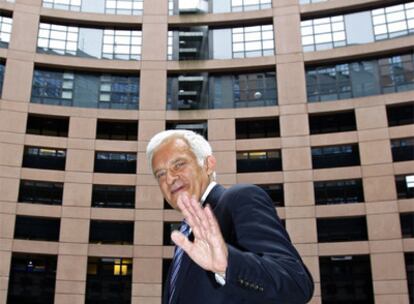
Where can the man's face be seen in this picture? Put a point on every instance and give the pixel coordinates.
(177, 171)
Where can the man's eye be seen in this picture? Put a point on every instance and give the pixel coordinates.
(179, 165)
(159, 175)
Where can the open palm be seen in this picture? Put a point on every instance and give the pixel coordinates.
(208, 249)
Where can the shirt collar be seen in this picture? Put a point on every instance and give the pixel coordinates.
(207, 192)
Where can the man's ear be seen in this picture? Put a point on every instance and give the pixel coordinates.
(211, 164)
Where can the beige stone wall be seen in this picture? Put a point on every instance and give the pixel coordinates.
(381, 209)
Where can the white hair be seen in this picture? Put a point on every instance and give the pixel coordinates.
(197, 144)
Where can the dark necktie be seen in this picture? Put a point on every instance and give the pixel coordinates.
(176, 263)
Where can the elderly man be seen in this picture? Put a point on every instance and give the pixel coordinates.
(232, 247)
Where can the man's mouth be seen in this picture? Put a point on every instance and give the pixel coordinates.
(177, 189)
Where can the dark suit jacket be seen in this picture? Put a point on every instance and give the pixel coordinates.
(263, 265)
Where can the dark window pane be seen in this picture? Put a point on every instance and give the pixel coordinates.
(110, 232)
(117, 130)
(346, 280)
(409, 268)
(407, 225)
(37, 228)
(399, 115)
(402, 149)
(360, 78)
(335, 156)
(40, 192)
(32, 279)
(47, 125)
(115, 162)
(1, 76)
(199, 127)
(332, 122)
(342, 229)
(405, 186)
(257, 128)
(165, 268)
(88, 90)
(107, 196)
(168, 228)
(338, 192)
(275, 191)
(44, 158)
(109, 280)
(217, 91)
(259, 161)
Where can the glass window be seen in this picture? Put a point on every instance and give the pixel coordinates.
(199, 127)
(338, 192)
(40, 192)
(124, 7)
(109, 280)
(168, 228)
(1, 76)
(320, 123)
(117, 130)
(402, 149)
(119, 7)
(400, 114)
(37, 228)
(409, 268)
(5, 31)
(115, 162)
(407, 224)
(393, 21)
(118, 91)
(220, 91)
(335, 156)
(68, 40)
(363, 78)
(122, 44)
(249, 5)
(346, 279)
(32, 279)
(344, 229)
(89, 90)
(58, 39)
(110, 196)
(275, 192)
(405, 186)
(259, 161)
(72, 5)
(253, 41)
(47, 125)
(111, 232)
(44, 158)
(257, 127)
(323, 33)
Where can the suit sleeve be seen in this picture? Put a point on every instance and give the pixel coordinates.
(263, 265)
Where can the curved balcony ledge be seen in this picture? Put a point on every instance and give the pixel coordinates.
(379, 48)
(90, 18)
(89, 64)
(360, 102)
(222, 65)
(337, 7)
(219, 19)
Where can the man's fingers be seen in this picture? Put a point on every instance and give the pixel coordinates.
(212, 221)
(180, 240)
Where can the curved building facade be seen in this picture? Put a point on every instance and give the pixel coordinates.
(311, 100)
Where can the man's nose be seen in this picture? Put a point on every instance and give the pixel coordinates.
(171, 177)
